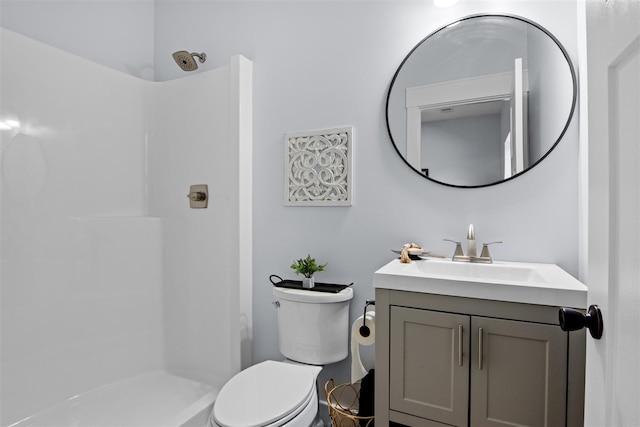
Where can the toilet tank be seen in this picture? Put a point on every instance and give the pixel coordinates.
(313, 327)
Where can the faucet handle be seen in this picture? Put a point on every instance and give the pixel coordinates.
(485, 250)
(458, 252)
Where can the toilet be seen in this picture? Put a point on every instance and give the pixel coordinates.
(313, 330)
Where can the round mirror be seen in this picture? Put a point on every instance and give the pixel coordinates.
(481, 101)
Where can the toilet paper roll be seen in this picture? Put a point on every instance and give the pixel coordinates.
(358, 338)
(359, 333)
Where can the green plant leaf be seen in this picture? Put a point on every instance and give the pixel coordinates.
(307, 266)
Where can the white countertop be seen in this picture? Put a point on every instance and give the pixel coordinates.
(529, 283)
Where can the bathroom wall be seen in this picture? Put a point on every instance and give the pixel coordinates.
(118, 34)
(543, 103)
(323, 64)
(446, 141)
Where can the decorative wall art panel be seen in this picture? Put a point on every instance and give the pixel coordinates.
(318, 168)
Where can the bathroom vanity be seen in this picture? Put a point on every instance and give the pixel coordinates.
(477, 345)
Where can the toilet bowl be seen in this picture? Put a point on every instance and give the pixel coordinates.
(269, 394)
(313, 330)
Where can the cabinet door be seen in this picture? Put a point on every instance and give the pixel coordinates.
(518, 373)
(429, 364)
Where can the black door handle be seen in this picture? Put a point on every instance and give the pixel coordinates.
(573, 320)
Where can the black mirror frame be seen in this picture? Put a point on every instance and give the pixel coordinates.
(562, 133)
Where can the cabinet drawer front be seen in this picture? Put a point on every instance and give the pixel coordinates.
(518, 373)
(429, 364)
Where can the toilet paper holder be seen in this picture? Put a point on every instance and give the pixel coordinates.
(364, 329)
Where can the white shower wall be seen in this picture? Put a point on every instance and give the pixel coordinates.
(104, 271)
(202, 133)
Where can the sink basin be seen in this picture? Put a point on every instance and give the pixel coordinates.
(531, 283)
(481, 272)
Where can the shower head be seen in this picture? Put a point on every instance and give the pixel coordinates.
(186, 60)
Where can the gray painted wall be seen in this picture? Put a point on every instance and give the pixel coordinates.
(450, 157)
(320, 65)
(115, 33)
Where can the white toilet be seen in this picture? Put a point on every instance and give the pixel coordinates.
(313, 330)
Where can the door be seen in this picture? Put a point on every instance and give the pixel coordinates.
(518, 373)
(429, 364)
(611, 106)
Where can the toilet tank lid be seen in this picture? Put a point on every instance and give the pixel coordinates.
(264, 393)
(301, 295)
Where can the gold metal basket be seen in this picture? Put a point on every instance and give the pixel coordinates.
(342, 401)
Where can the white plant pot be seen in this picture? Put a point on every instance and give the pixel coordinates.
(308, 282)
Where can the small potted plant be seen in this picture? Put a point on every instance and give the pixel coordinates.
(307, 267)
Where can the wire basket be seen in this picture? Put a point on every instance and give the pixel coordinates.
(342, 401)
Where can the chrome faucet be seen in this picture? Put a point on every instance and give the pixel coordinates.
(472, 252)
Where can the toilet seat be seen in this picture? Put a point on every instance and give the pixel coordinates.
(267, 394)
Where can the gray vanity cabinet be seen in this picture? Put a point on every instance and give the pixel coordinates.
(518, 373)
(470, 362)
(429, 372)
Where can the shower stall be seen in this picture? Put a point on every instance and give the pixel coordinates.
(111, 286)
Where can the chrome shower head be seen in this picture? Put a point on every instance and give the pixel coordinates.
(186, 60)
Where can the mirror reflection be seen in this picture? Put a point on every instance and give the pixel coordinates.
(481, 100)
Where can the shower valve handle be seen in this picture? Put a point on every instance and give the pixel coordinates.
(197, 196)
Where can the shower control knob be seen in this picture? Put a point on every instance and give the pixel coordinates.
(197, 196)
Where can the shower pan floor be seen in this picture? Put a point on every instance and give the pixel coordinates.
(154, 399)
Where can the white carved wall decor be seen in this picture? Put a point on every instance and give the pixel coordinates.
(318, 168)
